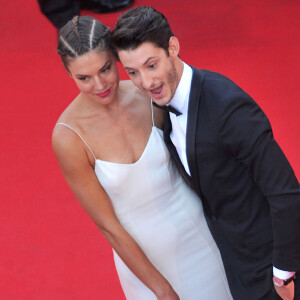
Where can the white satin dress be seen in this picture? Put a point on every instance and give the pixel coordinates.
(165, 217)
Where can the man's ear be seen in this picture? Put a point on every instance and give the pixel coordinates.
(173, 47)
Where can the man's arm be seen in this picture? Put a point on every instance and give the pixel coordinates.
(246, 131)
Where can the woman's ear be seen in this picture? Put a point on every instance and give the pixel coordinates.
(173, 47)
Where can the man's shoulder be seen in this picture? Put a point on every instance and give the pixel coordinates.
(213, 79)
(218, 93)
(215, 85)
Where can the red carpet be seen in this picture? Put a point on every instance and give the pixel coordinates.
(50, 249)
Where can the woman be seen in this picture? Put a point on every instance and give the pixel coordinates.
(115, 161)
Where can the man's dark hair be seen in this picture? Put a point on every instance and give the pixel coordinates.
(139, 25)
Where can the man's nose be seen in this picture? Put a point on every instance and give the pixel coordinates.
(146, 82)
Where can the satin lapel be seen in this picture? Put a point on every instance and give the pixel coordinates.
(172, 148)
(192, 120)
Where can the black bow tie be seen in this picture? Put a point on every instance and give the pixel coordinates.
(168, 108)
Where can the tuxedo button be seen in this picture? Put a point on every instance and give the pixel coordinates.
(213, 219)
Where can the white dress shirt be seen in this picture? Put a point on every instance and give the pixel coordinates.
(180, 101)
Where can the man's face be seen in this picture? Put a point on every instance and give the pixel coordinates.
(151, 70)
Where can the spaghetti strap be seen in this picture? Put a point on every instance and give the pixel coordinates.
(64, 124)
(152, 112)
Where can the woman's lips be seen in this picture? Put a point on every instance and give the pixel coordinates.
(104, 94)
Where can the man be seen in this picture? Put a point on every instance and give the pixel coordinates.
(223, 144)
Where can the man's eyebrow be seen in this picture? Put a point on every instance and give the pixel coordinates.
(147, 60)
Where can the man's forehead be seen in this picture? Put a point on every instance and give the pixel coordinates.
(140, 55)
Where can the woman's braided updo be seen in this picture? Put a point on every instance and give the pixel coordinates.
(80, 36)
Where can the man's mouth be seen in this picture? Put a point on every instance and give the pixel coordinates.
(156, 92)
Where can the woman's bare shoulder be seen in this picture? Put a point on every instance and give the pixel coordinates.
(142, 100)
(129, 90)
(69, 112)
(65, 138)
(71, 153)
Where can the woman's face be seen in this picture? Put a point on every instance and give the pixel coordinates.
(96, 75)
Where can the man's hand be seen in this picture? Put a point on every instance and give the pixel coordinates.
(286, 292)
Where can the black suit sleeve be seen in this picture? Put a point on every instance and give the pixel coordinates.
(246, 132)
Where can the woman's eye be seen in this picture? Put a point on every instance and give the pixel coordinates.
(152, 66)
(131, 73)
(82, 78)
(106, 69)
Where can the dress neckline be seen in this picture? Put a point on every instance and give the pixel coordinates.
(98, 160)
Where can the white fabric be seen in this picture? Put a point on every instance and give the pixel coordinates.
(283, 274)
(165, 217)
(180, 101)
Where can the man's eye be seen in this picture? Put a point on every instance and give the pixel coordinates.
(152, 66)
(82, 78)
(131, 73)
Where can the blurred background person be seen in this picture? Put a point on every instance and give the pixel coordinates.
(60, 12)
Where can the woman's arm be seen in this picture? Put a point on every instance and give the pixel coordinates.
(78, 171)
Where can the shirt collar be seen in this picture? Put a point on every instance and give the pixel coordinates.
(181, 96)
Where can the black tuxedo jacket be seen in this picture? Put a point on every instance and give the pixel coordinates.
(250, 194)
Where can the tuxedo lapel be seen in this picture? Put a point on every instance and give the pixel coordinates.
(192, 120)
(172, 148)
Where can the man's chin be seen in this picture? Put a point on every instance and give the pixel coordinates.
(162, 101)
